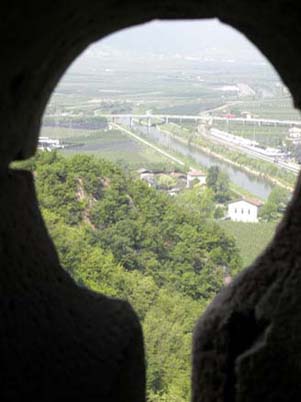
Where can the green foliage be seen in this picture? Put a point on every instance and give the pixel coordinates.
(273, 209)
(117, 236)
(167, 329)
(166, 182)
(219, 182)
(57, 189)
(219, 212)
(199, 201)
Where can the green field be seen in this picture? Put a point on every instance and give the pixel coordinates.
(63, 133)
(174, 87)
(278, 107)
(112, 145)
(251, 238)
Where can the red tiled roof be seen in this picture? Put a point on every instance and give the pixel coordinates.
(196, 173)
(252, 201)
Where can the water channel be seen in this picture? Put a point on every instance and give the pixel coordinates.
(256, 185)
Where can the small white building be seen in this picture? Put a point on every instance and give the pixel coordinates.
(295, 132)
(195, 175)
(246, 115)
(48, 144)
(294, 135)
(244, 210)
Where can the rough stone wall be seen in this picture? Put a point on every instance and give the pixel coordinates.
(58, 340)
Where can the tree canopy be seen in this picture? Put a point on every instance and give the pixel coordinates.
(219, 182)
(275, 206)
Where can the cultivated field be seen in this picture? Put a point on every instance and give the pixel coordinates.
(112, 145)
(251, 238)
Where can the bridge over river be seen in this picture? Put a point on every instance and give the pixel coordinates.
(200, 118)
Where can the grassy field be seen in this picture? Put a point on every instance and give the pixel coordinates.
(278, 107)
(172, 88)
(251, 238)
(63, 133)
(112, 145)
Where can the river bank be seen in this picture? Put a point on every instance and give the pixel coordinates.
(216, 155)
(244, 182)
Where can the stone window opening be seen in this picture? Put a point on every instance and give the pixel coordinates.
(61, 328)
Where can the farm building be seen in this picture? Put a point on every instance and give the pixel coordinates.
(195, 175)
(246, 115)
(244, 210)
(48, 144)
(294, 135)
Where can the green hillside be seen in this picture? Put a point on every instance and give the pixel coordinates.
(117, 236)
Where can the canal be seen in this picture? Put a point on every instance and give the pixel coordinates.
(256, 185)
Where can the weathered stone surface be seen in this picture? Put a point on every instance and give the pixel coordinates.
(57, 341)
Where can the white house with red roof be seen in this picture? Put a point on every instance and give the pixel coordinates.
(195, 175)
(244, 210)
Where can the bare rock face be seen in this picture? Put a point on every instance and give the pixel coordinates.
(57, 341)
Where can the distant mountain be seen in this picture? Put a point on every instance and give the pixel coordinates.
(183, 37)
(177, 40)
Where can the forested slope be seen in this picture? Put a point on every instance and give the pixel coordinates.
(117, 236)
